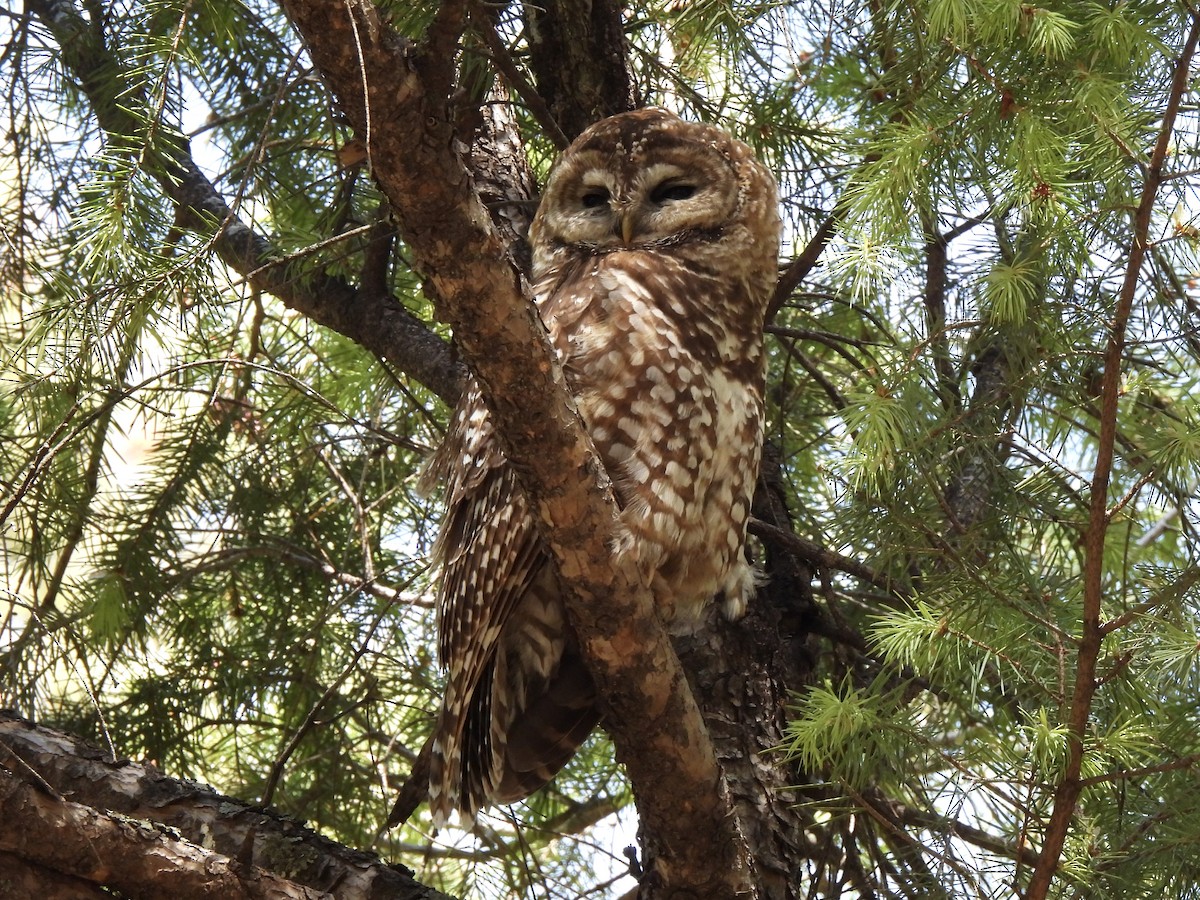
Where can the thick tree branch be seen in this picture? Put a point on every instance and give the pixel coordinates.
(502, 175)
(968, 495)
(1066, 795)
(378, 322)
(936, 286)
(580, 61)
(126, 856)
(484, 25)
(656, 726)
(744, 673)
(1002, 357)
(215, 846)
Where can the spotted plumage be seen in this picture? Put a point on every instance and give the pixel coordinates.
(654, 258)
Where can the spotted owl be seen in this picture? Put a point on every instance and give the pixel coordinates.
(654, 258)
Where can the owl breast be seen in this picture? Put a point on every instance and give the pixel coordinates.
(672, 399)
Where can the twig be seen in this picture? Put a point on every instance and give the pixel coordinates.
(819, 555)
(1174, 765)
(415, 789)
(799, 268)
(310, 720)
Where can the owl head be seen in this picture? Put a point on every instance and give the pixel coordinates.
(649, 180)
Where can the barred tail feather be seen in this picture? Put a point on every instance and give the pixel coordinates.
(551, 728)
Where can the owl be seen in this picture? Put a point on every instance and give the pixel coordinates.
(654, 258)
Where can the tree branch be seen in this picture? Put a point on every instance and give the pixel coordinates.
(820, 556)
(131, 848)
(797, 270)
(936, 285)
(377, 322)
(650, 712)
(1066, 795)
(127, 856)
(743, 673)
(484, 25)
(25, 879)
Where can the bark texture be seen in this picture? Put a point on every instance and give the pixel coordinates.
(68, 810)
(742, 673)
(20, 879)
(579, 61)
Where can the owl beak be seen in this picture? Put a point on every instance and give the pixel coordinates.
(626, 221)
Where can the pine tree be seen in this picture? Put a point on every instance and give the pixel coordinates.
(236, 310)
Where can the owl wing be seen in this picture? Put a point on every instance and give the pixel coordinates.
(519, 700)
(489, 554)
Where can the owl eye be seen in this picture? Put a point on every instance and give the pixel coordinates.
(672, 190)
(595, 197)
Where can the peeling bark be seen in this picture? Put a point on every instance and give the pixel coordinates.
(135, 858)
